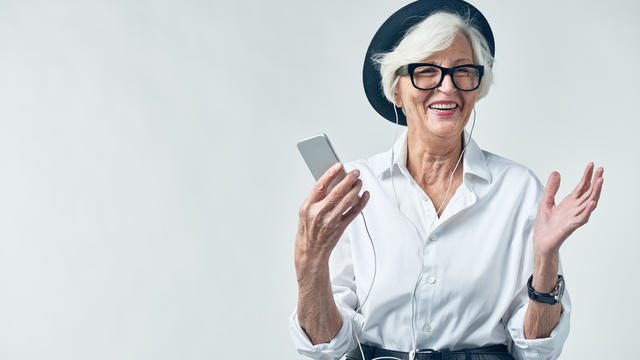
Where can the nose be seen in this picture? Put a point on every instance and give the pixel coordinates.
(447, 86)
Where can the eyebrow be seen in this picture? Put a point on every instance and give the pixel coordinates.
(458, 61)
(465, 60)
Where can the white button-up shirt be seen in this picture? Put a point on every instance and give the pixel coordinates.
(475, 262)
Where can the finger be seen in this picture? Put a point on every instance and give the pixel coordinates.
(350, 199)
(597, 177)
(355, 210)
(580, 209)
(320, 188)
(584, 183)
(583, 216)
(550, 190)
(341, 189)
(593, 198)
(598, 188)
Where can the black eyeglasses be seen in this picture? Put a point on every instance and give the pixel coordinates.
(426, 76)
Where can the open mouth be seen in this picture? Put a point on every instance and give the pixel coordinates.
(441, 108)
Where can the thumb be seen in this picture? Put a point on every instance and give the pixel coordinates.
(550, 190)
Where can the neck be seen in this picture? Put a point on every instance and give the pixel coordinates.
(431, 159)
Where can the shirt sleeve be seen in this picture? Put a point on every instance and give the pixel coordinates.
(543, 348)
(343, 287)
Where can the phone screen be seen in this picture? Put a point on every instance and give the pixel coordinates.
(319, 155)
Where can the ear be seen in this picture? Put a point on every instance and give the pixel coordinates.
(397, 98)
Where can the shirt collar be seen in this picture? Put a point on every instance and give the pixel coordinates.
(473, 160)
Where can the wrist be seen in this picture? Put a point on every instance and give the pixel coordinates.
(543, 247)
(311, 272)
(545, 272)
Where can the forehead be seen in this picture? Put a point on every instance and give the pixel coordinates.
(459, 51)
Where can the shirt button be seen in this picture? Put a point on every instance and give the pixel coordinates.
(433, 237)
(426, 328)
(431, 280)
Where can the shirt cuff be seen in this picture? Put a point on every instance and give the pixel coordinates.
(342, 343)
(538, 349)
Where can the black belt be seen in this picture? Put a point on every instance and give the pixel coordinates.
(371, 352)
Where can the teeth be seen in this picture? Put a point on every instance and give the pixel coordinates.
(443, 106)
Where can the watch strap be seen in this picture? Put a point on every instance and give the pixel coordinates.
(551, 298)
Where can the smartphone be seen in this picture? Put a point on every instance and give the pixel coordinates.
(319, 155)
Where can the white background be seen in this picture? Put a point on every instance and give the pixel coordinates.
(150, 180)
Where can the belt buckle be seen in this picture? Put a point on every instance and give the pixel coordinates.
(428, 352)
(425, 351)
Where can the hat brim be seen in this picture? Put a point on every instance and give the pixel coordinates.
(394, 29)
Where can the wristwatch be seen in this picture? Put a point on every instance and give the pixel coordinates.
(552, 298)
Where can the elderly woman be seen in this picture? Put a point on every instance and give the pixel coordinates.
(457, 253)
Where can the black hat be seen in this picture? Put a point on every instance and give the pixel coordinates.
(394, 29)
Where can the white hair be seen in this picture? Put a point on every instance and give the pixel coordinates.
(434, 33)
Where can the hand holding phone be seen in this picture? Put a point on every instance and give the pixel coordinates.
(331, 205)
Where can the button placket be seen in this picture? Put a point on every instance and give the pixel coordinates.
(426, 292)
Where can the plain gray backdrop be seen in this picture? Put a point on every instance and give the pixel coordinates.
(150, 180)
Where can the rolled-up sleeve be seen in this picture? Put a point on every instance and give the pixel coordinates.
(335, 349)
(543, 348)
(343, 287)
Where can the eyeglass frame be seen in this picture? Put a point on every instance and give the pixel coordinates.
(409, 68)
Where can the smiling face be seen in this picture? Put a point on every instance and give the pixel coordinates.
(443, 111)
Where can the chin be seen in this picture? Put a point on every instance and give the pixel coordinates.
(444, 123)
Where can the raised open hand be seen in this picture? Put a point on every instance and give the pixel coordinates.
(554, 223)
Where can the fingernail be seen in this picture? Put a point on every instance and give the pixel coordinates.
(337, 166)
(357, 172)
